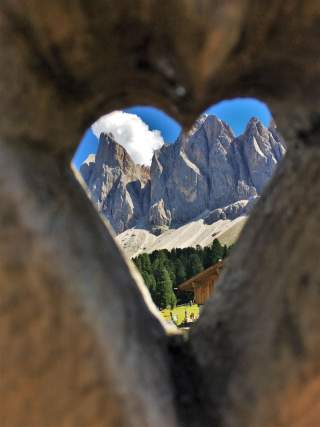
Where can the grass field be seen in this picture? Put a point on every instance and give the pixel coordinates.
(180, 312)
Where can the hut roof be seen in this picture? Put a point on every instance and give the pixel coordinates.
(201, 278)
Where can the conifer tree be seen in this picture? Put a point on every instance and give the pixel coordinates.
(145, 262)
(180, 270)
(150, 282)
(180, 265)
(195, 265)
(164, 295)
(217, 251)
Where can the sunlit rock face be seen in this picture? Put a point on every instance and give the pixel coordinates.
(207, 169)
(261, 150)
(116, 184)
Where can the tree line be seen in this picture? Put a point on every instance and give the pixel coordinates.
(163, 270)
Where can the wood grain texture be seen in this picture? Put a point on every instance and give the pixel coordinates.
(78, 344)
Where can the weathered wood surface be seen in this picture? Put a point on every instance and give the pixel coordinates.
(203, 283)
(262, 326)
(78, 344)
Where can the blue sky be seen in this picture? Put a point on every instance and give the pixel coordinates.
(236, 113)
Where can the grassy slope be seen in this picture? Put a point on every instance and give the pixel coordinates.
(180, 312)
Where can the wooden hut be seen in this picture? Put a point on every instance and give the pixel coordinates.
(202, 284)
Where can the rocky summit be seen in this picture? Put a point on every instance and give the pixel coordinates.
(207, 172)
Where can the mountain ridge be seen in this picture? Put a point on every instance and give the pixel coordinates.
(208, 169)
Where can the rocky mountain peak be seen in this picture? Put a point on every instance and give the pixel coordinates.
(212, 122)
(208, 127)
(217, 130)
(197, 124)
(207, 169)
(113, 154)
(255, 128)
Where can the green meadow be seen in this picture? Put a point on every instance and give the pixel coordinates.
(179, 311)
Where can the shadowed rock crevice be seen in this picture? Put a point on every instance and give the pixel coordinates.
(188, 383)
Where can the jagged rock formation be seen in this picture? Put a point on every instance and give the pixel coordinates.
(208, 169)
(233, 211)
(118, 186)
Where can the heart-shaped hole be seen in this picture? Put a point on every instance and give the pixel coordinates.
(178, 201)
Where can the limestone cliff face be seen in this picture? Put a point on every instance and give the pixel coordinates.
(206, 170)
(260, 149)
(210, 169)
(118, 187)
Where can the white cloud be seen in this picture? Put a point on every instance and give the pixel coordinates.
(132, 133)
